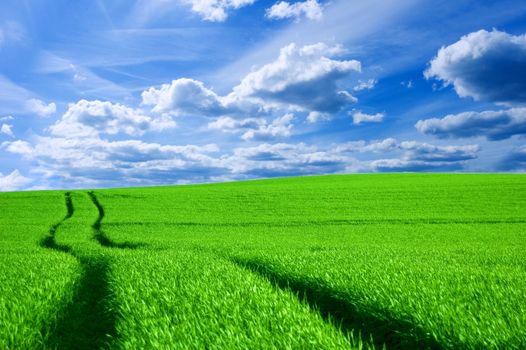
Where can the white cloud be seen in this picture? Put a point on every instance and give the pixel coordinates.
(88, 152)
(419, 156)
(485, 65)
(304, 78)
(315, 117)
(91, 118)
(92, 161)
(231, 125)
(301, 79)
(418, 151)
(383, 146)
(14, 181)
(493, 125)
(255, 128)
(216, 10)
(280, 127)
(365, 85)
(359, 117)
(410, 155)
(185, 97)
(79, 77)
(7, 130)
(368, 18)
(409, 84)
(310, 9)
(40, 108)
(282, 159)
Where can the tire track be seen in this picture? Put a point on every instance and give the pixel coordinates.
(101, 236)
(86, 322)
(49, 240)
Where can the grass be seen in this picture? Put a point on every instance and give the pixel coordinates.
(396, 261)
(35, 283)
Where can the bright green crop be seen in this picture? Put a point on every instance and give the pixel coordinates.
(325, 262)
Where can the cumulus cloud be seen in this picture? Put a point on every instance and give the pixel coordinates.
(304, 78)
(7, 129)
(301, 79)
(488, 66)
(279, 127)
(282, 159)
(255, 128)
(425, 157)
(382, 146)
(231, 125)
(40, 108)
(296, 159)
(316, 116)
(412, 150)
(14, 181)
(411, 155)
(185, 97)
(91, 118)
(359, 117)
(94, 161)
(425, 152)
(310, 9)
(89, 152)
(493, 125)
(216, 10)
(365, 85)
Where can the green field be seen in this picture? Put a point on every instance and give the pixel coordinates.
(328, 262)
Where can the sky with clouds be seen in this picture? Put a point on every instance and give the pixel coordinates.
(112, 93)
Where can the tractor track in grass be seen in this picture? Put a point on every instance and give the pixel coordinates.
(99, 234)
(49, 240)
(376, 326)
(86, 322)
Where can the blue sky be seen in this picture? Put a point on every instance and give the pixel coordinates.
(108, 93)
